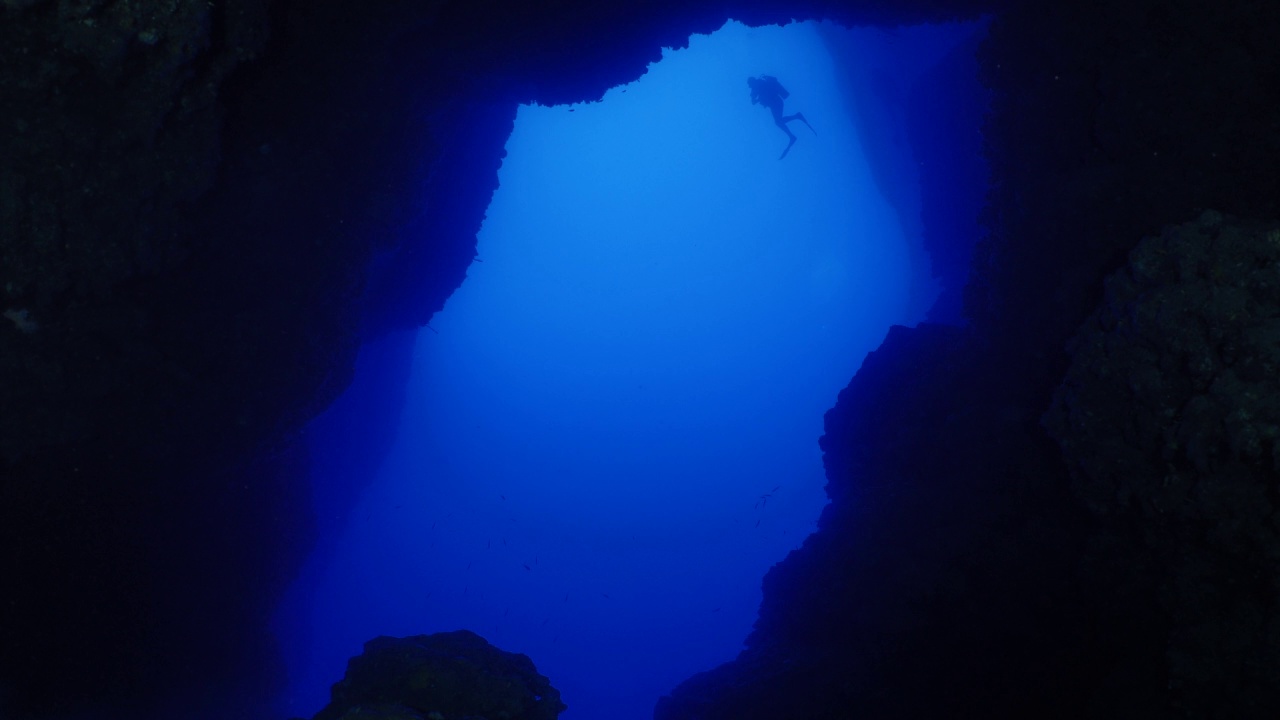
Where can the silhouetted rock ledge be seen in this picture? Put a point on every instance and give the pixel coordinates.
(445, 676)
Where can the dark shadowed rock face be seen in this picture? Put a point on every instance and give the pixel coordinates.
(111, 124)
(1169, 419)
(445, 675)
(945, 579)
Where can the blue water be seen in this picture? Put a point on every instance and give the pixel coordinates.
(610, 432)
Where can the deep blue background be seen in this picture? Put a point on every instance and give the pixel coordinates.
(611, 432)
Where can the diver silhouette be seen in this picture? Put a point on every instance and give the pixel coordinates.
(767, 91)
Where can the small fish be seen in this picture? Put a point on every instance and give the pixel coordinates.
(757, 523)
(526, 566)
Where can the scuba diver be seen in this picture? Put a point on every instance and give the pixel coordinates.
(767, 91)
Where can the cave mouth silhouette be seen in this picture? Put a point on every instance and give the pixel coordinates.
(610, 432)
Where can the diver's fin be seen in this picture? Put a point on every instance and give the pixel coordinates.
(806, 122)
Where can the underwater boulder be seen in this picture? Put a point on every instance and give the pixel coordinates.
(1169, 419)
(445, 676)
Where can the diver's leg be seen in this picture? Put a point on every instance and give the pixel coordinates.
(781, 122)
(800, 117)
(789, 144)
(788, 148)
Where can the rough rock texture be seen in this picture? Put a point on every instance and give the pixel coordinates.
(193, 246)
(1169, 419)
(445, 675)
(110, 124)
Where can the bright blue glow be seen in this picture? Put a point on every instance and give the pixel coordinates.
(612, 434)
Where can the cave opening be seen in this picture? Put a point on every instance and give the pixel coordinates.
(610, 433)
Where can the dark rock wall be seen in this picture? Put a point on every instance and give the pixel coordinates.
(943, 581)
(152, 505)
(1110, 120)
(204, 211)
(111, 123)
(1169, 418)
